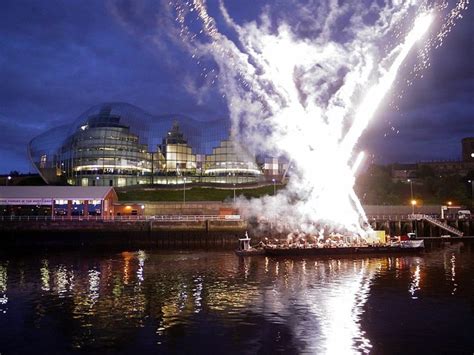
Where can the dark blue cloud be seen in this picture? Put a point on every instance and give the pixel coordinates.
(59, 58)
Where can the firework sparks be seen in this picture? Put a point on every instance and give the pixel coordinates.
(307, 98)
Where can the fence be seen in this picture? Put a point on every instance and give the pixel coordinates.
(164, 218)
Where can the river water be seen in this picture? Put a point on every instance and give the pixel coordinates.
(142, 301)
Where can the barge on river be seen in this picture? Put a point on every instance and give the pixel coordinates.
(403, 247)
(408, 247)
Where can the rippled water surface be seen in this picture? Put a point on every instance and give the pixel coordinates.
(141, 301)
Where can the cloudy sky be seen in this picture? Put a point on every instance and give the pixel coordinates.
(58, 58)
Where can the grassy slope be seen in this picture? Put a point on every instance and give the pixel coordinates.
(193, 194)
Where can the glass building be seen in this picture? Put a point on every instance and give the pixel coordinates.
(119, 144)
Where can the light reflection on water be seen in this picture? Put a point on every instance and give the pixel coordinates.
(224, 302)
(3, 289)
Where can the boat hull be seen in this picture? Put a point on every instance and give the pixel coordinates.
(342, 251)
(249, 252)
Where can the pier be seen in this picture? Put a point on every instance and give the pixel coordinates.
(424, 227)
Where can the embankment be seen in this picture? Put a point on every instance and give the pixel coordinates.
(135, 234)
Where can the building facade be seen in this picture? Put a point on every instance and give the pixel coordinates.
(468, 149)
(462, 167)
(121, 145)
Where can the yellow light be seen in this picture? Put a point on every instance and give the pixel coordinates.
(413, 202)
(128, 207)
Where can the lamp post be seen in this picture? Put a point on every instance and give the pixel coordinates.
(413, 204)
(412, 201)
(411, 188)
(233, 182)
(472, 189)
(184, 191)
(274, 187)
(7, 180)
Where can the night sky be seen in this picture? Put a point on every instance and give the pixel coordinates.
(58, 58)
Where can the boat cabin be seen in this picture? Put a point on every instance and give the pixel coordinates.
(244, 243)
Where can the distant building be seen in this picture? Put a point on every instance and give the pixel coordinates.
(468, 150)
(120, 145)
(449, 167)
(404, 171)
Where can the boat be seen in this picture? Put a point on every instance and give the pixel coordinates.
(404, 247)
(245, 249)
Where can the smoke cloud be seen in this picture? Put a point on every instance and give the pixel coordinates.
(302, 81)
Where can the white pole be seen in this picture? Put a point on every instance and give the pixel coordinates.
(184, 191)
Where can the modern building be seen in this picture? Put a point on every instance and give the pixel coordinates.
(119, 144)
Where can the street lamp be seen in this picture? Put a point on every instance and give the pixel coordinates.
(472, 188)
(411, 188)
(274, 187)
(413, 204)
(233, 182)
(8, 180)
(184, 191)
(413, 201)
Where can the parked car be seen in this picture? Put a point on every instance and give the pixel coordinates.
(464, 214)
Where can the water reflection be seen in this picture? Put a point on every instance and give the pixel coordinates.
(453, 274)
(325, 302)
(93, 287)
(64, 281)
(256, 303)
(415, 282)
(44, 271)
(141, 264)
(3, 288)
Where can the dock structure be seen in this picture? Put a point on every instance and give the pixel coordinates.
(438, 223)
(424, 226)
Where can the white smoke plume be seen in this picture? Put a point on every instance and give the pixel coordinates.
(304, 84)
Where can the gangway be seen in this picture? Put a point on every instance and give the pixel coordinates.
(437, 223)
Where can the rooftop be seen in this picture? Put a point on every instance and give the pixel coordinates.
(55, 192)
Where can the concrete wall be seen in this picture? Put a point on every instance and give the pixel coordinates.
(401, 210)
(215, 208)
(188, 208)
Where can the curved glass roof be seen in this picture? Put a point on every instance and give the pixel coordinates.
(202, 136)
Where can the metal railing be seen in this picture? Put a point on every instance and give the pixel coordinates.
(131, 218)
(393, 217)
(408, 217)
(438, 223)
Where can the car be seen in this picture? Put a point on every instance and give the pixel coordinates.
(464, 214)
(411, 235)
